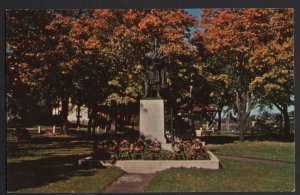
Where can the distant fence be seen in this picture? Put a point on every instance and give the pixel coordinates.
(231, 127)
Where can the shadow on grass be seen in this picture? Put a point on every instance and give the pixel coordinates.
(41, 161)
(35, 173)
(225, 139)
(219, 139)
(271, 137)
(46, 145)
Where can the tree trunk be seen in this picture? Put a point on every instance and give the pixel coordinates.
(113, 116)
(113, 124)
(281, 120)
(64, 115)
(92, 117)
(244, 106)
(89, 129)
(120, 120)
(107, 124)
(132, 122)
(286, 120)
(78, 114)
(94, 114)
(241, 126)
(94, 128)
(219, 119)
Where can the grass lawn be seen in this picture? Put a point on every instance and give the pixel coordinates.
(271, 150)
(92, 180)
(233, 177)
(42, 146)
(50, 164)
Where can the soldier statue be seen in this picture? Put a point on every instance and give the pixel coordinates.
(155, 71)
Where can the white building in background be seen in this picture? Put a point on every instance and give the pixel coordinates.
(72, 115)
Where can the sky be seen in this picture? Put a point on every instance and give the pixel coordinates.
(195, 12)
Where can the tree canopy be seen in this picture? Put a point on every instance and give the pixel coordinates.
(234, 43)
(239, 57)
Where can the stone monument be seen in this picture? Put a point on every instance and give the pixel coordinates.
(152, 120)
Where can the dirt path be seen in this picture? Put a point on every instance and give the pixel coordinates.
(130, 182)
(269, 162)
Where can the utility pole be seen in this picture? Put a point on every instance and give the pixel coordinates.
(228, 121)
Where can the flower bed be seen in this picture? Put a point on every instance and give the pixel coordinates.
(150, 150)
(147, 156)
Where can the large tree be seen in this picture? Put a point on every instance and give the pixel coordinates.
(235, 34)
(219, 90)
(275, 86)
(133, 37)
(90, 36)
(96, 57)
(25, 36)
(60, 58)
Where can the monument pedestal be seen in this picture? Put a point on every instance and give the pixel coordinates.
(152, 118)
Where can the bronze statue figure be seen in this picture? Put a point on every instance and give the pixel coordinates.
(155, 71)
